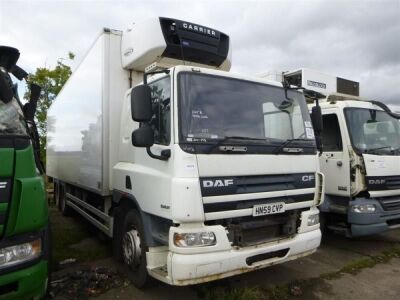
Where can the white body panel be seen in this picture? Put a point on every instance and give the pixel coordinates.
(335, 165)
(378, 165)
(221, 165)
(84, 122)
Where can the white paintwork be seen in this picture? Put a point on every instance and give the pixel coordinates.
(83, 122)
(337, 176)
(388, 193)
(221, 165)
(380, 165)
(187, 269)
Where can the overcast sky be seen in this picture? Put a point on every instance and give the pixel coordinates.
(358, 40)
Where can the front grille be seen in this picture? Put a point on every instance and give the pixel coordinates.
(390, 203)
(248, 231)
(393, 182)
(379, 183)
(216, 186)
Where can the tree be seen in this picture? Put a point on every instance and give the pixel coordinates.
(51, 80)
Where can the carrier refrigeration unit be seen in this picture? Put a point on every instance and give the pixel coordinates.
(194, 172)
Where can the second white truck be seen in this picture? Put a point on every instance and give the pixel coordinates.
(194, 172)
(361, 155)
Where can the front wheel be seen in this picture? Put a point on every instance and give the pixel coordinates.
(133, 248)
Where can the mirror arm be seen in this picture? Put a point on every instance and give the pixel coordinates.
(165, 154)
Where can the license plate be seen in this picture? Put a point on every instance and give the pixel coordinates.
(268, 209)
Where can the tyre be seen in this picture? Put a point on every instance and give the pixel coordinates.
(61, 200)
(132, 248)
(323, 223)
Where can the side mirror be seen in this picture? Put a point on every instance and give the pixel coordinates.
(316, 118)
(143, 137)
(18, 72)
(30, 107)
(141, 108)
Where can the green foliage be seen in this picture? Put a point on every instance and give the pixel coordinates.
(51, 80)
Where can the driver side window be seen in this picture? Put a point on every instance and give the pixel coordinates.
(161, 104)
(331, 136)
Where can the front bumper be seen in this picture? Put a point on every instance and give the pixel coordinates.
(27, 283)
(185, 269)
(371, 223)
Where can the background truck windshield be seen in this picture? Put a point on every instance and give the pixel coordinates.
(373, 131)
(214, 107)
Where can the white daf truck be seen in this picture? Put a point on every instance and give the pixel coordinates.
(194, 172)
(361, 156)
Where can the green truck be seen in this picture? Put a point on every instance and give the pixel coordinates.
(24, 225)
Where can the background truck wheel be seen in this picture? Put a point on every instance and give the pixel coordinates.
(323, 223)
(131, 248)
(61, 200)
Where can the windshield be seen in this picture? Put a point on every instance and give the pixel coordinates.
(373, 131)
(214, 108)
(11, 119)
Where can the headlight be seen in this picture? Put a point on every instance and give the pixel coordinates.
(194, 239)
(313, 220)
(364, 208)
(20, 253)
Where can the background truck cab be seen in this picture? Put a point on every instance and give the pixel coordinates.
(361, 156)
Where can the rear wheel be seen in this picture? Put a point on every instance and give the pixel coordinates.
(132, 249)
(61, 200)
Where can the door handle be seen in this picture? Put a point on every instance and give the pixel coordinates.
(339, 163)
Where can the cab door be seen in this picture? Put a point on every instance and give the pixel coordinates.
(334, 161)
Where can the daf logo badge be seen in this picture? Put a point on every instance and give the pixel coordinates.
(217, 183)
(376, 181)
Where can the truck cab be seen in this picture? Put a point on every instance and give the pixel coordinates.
(195, 173)
(24, 231)
(361, 157)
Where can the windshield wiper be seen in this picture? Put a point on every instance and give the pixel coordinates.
(378, 148)
(288, 142)
(227, 138)
(396, 150)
